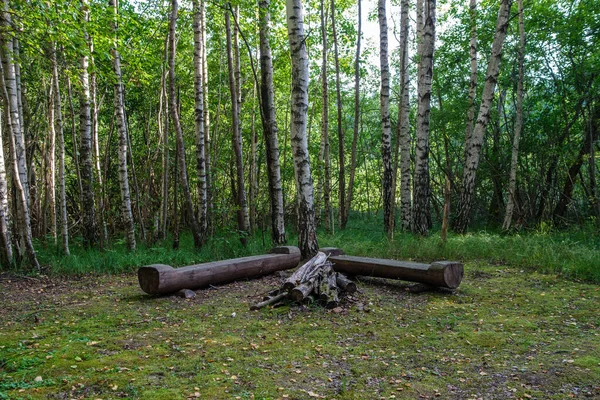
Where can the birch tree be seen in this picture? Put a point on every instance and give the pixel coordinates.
(270, 129)
(189, 207)
(307, 234)
(350, 194)
(16, 141)
(6, 248)
(512, 179)
(404, 122)
(236, 136)
(386, 137)
(473, 151)
(119, 105)
(324, 157)
(199, 117)
(473, 78)
(340, 130)
(62, 220)
(421, 191)
(85, 134)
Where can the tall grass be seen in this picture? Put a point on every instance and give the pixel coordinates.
(574, 254)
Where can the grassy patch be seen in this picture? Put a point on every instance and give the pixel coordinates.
(506, 333)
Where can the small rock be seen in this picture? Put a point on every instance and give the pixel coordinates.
(338, 310)
(38, 379)
(186, 294)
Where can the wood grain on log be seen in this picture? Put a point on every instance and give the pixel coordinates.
(162, 279)
(303, 272)
(446, 274)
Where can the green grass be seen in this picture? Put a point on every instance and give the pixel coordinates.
(523, 324)
(574, 254)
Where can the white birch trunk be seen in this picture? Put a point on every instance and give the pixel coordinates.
(16, 141)
(270, 129)
(473, 79)
(189, 207)
(307, 234)
(85, 133)
(62, 220)
(473, 151)
(386, 136)
(350, 194)
(421, 190)
(6, 250)
(404, 123)
(51, 161)
(207, 145)
(512, 180)
(199, 118)
(119, 105)
(243, 219)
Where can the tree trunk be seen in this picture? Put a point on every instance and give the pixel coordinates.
(421, 191)
(126, 213)
(340, 130)
(307, 235)
(241, 202)
(270, 129)
(199, 118)
(473, 79)
(63, 221)
(386, 137)
(189, 207)
(207, 145)
(473, 151)
(253, 189)
(74, 139)
(6, 248)
(325, 158)
(51, 158)
(512, 180)
(163, 101)
(85, 133)
(346, 214)
(404, 123)
(16, 140)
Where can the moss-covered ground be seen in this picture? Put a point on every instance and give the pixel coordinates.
(506, 333)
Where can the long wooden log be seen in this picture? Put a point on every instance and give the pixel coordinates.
(162, 279)
(447, 274)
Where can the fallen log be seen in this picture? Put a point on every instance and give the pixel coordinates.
(446, 274)
(163, 279)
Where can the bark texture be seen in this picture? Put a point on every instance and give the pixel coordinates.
(307, 235)
(119, 104)
(512, 179)
(473, 79)
(421, 192)
(404, 123)
(346, 214)
(270, 129)
(199, 118)
(473, 151)
(189, 207)
(386, 135)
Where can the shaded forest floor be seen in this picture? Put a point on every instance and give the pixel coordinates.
(505, 333)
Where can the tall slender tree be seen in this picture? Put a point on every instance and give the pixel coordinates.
(119, 105)
(473, 151)
(404, 138)
(307, 234)
(324, 156)
(386, 137)
(6, 248)
(344, 221)
(512, 179)
(421, 190)
(473, 78)
(199, 118)
(189, 207)
(62, 220)
(85, 133)
(340, 128)
(269, 122)
(236, 136)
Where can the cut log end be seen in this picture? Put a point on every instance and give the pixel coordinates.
(453, 272)
(149, 277)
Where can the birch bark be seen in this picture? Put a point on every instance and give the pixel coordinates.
(270, 129)
(404, 123)
(119, 105)
(473, 151)
(307, 234)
